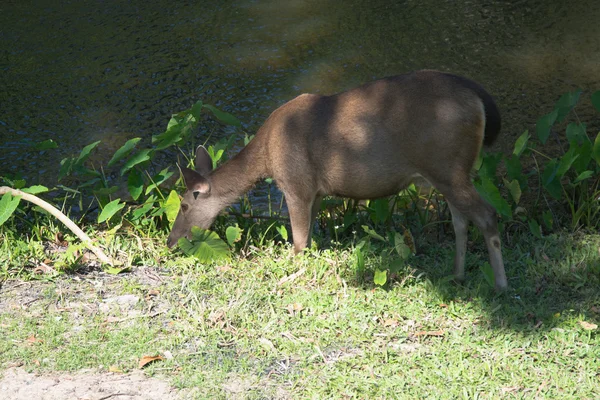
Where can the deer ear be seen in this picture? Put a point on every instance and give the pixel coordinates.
(194, 182)
(204, 163)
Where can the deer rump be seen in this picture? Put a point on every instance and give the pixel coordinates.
(365, 143)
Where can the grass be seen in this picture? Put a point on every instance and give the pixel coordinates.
(268, 325)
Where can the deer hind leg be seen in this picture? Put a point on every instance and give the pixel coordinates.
(302, 213)
(460, 223)
(467, 205)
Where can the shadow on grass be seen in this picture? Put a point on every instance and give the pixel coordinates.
(552, 281)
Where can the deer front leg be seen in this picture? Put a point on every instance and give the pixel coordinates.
(301, 211)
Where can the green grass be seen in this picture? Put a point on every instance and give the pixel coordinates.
(235, 329)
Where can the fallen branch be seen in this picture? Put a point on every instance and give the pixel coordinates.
(62, 218)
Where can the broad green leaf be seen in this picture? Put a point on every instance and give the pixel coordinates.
(489, 166)
(116, 270)
(234, 233)
(514, 189)
(566, 103)
(550, 180)
(521, 143)
(171, 136)
(514, 169)
(143, 210)
(544, 124)
(205, 245)
(110, 210)
(46, 145)
(159, 179)
(85, 153)
(282, 232)
(196, 109)
(8, 205)
(35, 189)
(19, 183)
(596, 100)
(66, 166)
(172, 205)
(576, 133)
(584, 152)
(488, 273)
(123, 151)
(583, 176)
(491, 194)
(566, 161)
(223, 116)
(135, 183)
(535, 229)
(380, 277)
(401, 248)
(596, 149)
(140, 157)
(372, 233)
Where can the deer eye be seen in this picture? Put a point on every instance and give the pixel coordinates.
(184, 207)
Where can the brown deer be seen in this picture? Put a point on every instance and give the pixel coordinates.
(365, 143)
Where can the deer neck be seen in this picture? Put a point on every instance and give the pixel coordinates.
(234, 178)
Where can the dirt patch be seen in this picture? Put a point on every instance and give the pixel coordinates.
(17, 384)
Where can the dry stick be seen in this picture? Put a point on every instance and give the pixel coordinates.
(62, 217)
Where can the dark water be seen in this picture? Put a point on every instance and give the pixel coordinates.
(80, 71)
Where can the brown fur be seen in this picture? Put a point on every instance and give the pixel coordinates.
(364, 143)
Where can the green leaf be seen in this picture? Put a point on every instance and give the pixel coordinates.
(596, 148)
(548, 220)
(85, 153)
(116, 270)
(596, 100)
(583, 176)
(123, 151)
(171, 136)
(140, 157)
(282, 232)
(491, 194)
(372, 233)
(46, 145)
(514, 169)
(205, 245)
(521, 143)
(402, 249)
(135, 183)
(172, 205)
(584, 152)
(222, 116)
(488, 273)
(544, 124)
(535, 229)
(234, 233)
(35, 189)
(66, 166)
(143, 210)
(514, 189)
(566, 103)
(196, 110)
(489, 165)
(380, 277)
(576, 133)
(566, 161)
(360, 262)
(8, 205)
(550, 180)
(159, 179)
(110, 210)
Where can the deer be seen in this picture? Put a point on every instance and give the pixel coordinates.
(368, 142)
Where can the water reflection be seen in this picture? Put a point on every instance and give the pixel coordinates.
(86, 70)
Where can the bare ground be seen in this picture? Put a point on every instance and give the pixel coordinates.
(91, 291)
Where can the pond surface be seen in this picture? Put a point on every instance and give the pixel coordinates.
(80, 71)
